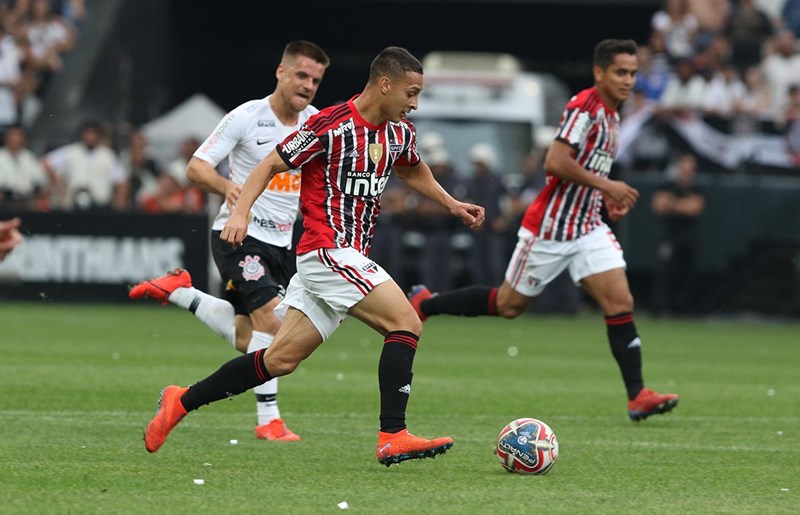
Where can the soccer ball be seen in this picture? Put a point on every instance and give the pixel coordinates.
(527, 446)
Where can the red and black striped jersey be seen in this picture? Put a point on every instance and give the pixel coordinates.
(345, 163)
(565, 210)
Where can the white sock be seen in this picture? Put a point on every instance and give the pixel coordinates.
(217, 314)
(267, 393)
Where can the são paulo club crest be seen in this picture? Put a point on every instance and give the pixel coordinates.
(252, 269)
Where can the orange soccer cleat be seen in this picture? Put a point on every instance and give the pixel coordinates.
(402, 446)
(419, 293)
(276, 430)
(170, 412)
(649, 402)
(160, 288)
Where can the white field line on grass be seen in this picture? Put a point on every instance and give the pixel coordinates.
(232, 422)
(77, 415)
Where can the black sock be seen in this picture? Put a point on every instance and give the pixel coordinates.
(394, 378)
(471, 301)
(626, 348)
(234, 377)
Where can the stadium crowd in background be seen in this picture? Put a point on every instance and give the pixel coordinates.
(35, 37)
(730, 64)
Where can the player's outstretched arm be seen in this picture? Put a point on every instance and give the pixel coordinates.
(235, 229)
(420, 179)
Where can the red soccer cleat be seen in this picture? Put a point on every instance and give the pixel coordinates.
(649, 402)
(276, 430)
(402, 446)
(160, 288)
(170, 412)
(419, 293)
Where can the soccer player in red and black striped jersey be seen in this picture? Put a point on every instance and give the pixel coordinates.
(345, 154)
(563, 228)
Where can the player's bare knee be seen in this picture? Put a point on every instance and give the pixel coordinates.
(622, 304)
(510, 309)
(406, 322)
(415, 326)
(279, 365)
(625, 303)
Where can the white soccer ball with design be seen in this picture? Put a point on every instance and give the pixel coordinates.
(527, 446)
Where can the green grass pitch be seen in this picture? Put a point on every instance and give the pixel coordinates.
(79, 383)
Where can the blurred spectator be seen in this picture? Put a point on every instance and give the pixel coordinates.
(51, 36)
(710, 58)
(724, 93)
(73, 11)
(684, 92)
(141, 169)
(28, 105)
(194, 197)
(782, 68)
(679, 204)
(749, 29)
(169, 197)
(87, 174)
(658, 50)
(790, 15)
(757, 100)
(792, 112)
(485, 187)
(678, 26)
(712, 18)
(772, 8)
(430, 142)
(23, 181)
(648, 150)
(532, 181)
(653, 75)
(10, 79)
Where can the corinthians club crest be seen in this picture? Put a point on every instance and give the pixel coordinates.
(252, 269)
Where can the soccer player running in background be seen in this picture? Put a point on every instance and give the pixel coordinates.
(563, 228)
(257, 272)
(345, 154)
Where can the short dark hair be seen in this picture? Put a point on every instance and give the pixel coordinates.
(393, 62)
(91, 125)
(605, 51)
(307, 49)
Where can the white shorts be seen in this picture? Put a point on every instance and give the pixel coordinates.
(328, 283)
(536, 262)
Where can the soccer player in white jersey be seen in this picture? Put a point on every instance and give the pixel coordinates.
(346, 154)
(257, 272)
(563, 228)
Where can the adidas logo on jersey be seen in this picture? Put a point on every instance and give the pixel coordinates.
(354, 153)
(405, 389)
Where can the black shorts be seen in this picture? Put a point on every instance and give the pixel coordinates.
(253, 274)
